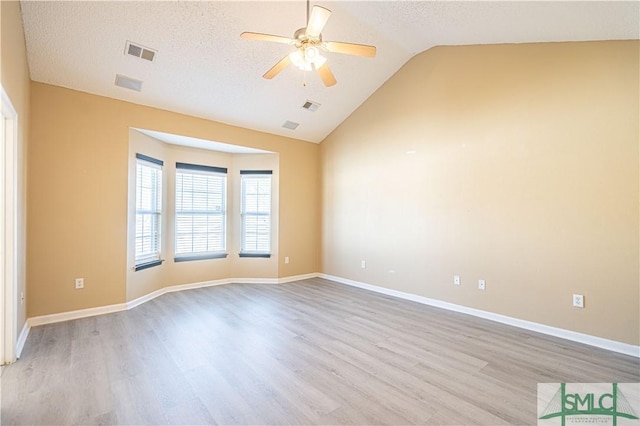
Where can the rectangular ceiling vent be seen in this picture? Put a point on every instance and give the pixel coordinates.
(290, 125)
(139, 51)
(128, 82)
(311, 105)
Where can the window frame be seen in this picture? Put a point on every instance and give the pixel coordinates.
(154, 259)
(197, 169)
(245, 175)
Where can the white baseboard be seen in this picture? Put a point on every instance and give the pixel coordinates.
(22, 338)
(71, 315)
(297, 278)
(180, 287)
(255, 281)
(587, 339)
(600, 342)
(100, 310)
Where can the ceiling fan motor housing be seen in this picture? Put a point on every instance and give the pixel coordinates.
(301, 38)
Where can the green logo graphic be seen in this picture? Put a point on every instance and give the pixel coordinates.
(613, 404)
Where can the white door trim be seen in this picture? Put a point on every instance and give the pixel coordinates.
(8, 226)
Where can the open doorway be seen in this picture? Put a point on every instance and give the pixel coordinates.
(8, 205)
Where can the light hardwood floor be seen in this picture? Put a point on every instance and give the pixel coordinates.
(309, 352)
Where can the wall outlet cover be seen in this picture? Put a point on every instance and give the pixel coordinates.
(578, 300)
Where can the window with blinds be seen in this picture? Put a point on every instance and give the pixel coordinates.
(255, 213)
(148, 211)
(201, 198)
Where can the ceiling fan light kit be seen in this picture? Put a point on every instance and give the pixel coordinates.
(308, 44)
(307, 58)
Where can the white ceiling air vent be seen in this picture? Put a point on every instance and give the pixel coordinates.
(311, 105)
(128, 82)
(139, 51)
(290, 125)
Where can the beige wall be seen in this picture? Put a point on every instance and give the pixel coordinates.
(15, 81)
(142, 282)
(525, 174)
(78, 194)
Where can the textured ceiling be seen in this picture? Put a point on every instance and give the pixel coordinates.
(203, 68)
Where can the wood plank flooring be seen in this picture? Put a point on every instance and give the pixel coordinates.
(309, 352)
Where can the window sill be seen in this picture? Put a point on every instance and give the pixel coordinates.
(200, 257)
(147, 265)
(264, 255)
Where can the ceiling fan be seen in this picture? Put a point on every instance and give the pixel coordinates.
(308, 44)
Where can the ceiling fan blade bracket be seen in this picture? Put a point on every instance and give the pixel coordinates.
(350, 48)
(266, 37)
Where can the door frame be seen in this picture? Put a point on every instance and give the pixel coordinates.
(8, 231)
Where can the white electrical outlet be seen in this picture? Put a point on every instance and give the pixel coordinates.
(286, 259)
(481, 284)
(456, 279)
(79, 283)
(578, 301)
(363, 264)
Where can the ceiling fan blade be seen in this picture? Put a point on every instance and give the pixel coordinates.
(266, 37)
(275, 70)
(327, 76)
(317, 21)
(350, 48)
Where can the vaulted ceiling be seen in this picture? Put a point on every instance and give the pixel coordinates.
(203, 68)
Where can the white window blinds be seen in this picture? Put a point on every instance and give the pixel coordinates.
(255, 213)
(200, 212)
(148, 209)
